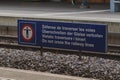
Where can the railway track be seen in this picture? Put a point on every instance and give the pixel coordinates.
(13, 39)
(94, 64)
(9, 40)
(114, 48)
(34, 48)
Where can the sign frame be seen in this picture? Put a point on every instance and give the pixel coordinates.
(21, 39)
(39, 31)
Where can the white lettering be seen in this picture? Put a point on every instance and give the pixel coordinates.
(77, 44)
(79, 39)
(79, 34)
(58, 42)
(90, 30)
(69, 28)
(63, 38)
(67, 43)
(53, 32)
(89, 45)
(48, 36)
(94, 35)
(48, 27)
(81, 29)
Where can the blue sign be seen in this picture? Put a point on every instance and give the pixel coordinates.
(73, 36)
(26, 31)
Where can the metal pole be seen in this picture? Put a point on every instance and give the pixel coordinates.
(41, 50)
(80, 55)
(7, 30)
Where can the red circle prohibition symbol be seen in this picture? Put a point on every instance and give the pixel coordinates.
(27, 32)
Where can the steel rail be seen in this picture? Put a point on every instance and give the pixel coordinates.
(8, 37)
(111, 47)
(114, 48)
(79, 53)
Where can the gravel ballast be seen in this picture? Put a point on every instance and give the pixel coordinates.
(93, 67)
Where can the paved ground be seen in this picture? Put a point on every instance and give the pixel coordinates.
(47, 6)
(15, 74)
(58, 10)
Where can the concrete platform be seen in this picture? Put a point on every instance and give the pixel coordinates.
(63, 11)
(56, 11)
(15, 74)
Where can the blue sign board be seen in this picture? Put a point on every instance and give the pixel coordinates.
(73, 36)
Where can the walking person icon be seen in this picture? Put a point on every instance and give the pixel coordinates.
(27, 32)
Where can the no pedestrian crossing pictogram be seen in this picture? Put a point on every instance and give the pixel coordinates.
(26, 32)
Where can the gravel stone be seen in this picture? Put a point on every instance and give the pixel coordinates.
(93, 67)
